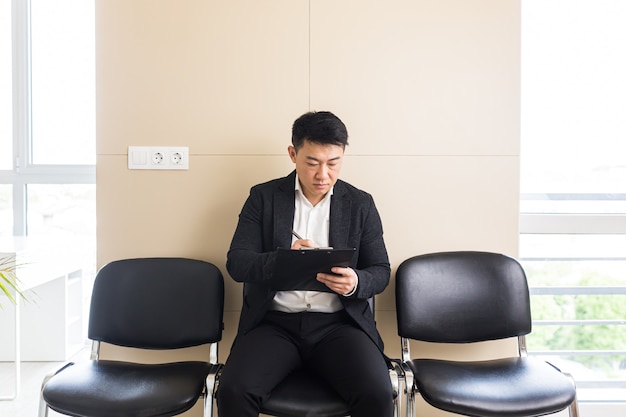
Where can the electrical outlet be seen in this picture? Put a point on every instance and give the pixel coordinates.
(158, 157)
(176, 158)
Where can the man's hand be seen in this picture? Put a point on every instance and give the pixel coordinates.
(342, 280)
(304, 243)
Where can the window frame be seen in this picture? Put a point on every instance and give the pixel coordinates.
(23, 171)
(590, 224)
(555, 224)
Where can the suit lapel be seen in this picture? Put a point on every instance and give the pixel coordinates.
(339, 217)
(284, 208)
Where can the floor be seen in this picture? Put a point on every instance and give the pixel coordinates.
(32, 373)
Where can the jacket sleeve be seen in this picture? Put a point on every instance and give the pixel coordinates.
(372, 268)
(247, 259)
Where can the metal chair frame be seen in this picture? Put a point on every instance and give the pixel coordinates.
(410, 388)
(206, 331)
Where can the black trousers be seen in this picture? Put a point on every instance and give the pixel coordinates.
(328, 344)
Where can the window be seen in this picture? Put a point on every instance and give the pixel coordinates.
(47, 124)
(573, 188)
(6, 101)
(6, 210)
(63, 80)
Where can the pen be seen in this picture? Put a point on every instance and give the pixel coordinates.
(293, 232)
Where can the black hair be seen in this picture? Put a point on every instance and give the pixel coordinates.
(319, 127)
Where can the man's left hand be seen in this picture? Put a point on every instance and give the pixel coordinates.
(342, 280)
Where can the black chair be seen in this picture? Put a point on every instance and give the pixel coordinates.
(466, 297)
(304, 395)
(148, 303)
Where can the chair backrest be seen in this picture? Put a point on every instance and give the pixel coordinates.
(462, 297)
(157, 303)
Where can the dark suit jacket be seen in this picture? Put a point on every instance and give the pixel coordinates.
(265, 224)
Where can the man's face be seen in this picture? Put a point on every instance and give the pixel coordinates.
(318, 168)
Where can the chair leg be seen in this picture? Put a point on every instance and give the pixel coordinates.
(211, 383)
(394, 375)
(43, 407)
(397, 404)
(409, 390)
(208, 405)
(573, 407)
(410, 403)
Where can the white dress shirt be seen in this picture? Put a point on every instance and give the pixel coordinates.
(310, 222)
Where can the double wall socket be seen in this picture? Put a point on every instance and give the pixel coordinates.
(158, 157)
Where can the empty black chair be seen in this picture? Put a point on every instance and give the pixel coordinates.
(466, 297)
(147, 303)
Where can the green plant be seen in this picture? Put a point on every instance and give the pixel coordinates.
(9, 280)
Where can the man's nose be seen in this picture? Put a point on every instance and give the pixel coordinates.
(322, 172)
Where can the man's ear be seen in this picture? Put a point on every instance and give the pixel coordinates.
(292, 153)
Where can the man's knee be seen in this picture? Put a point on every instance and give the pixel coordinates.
(234, 399)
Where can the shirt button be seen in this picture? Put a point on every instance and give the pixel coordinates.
(308, 306)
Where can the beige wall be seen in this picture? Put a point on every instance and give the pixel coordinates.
(429, 90)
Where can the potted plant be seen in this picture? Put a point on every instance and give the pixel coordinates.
(9, 280)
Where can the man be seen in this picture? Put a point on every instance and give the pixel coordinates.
(332, 334)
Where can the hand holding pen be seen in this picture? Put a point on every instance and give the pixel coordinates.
(293, 232)
(301, 243)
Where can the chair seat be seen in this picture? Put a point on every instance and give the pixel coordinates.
(301, 394)
(510, 387)
(111, 388)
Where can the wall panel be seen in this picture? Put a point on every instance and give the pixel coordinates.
(420, 77)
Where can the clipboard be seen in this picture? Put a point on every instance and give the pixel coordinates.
(296, 269)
